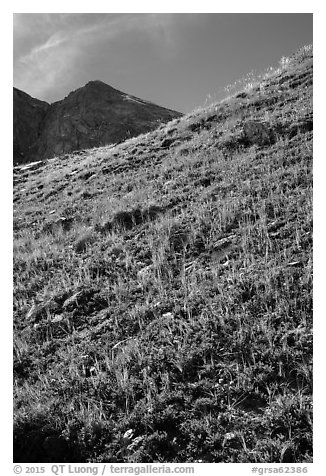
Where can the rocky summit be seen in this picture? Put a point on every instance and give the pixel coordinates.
(92, 116)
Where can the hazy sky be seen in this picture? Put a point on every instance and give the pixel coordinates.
(177, 60)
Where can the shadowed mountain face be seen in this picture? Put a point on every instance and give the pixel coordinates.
(92, 116)
(29, 114)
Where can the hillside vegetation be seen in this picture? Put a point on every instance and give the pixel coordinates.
(163, 288)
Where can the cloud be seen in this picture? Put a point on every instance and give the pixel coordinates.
(53, 42)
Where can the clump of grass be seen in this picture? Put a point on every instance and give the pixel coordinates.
(84, 241)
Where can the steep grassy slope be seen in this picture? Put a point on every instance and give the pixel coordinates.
(163, 289)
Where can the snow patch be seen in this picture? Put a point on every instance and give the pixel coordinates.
(132, 98)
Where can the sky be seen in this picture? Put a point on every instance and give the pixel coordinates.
(178, 60)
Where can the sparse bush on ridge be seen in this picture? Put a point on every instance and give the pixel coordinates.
(171, 320)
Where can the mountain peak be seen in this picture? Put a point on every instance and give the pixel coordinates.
(91, 116)
(97, 82)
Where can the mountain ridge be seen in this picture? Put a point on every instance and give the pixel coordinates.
(91, 116)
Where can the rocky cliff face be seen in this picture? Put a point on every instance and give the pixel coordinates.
(28, 115)
(92, 116)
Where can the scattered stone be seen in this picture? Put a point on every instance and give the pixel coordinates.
(168, 315)
(57, 318)
(128, 434)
